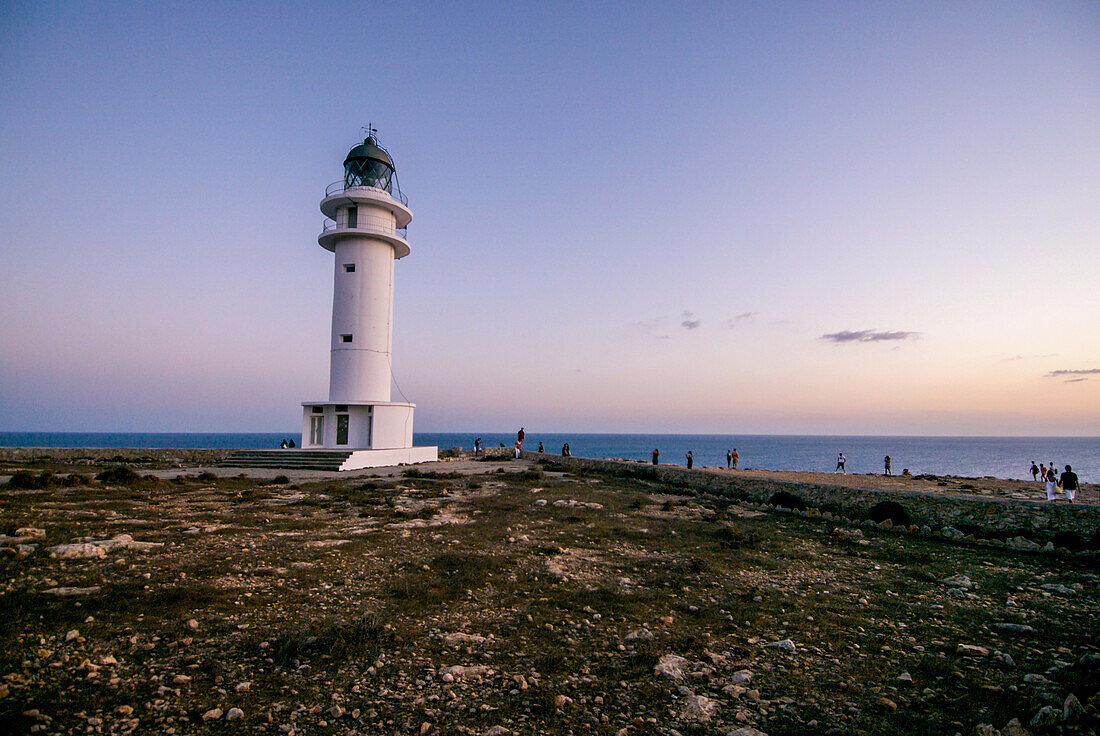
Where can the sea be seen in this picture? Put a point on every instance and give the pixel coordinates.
(1000, 457)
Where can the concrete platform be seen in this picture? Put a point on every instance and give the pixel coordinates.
(387, 458)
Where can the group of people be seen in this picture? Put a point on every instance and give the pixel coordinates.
(1067, 481)
(285, 443)
(521, 436)
(732, 458)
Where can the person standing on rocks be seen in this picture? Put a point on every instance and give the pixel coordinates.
(541, 448)
(1052, 483)
(736, 457)
(729, 459)
(690, 459)
(656, 455)
(477, 446)
(1034, 471)
(840, 464)
(1070, 484)
(521, 436)
(886, 462)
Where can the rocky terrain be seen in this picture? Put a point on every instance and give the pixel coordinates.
(504, 597)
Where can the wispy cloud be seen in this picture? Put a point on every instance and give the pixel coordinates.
(1075, 375)
(846, 336)
(651, 327)
(732, 321)
(690, 322)
(1030, 357)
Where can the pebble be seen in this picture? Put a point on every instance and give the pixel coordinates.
(213, 714)
(971, 650)
(783, 645)
(234, 714)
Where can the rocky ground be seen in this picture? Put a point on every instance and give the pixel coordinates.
(500, 598)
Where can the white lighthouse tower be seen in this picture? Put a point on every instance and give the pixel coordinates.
(366, 216)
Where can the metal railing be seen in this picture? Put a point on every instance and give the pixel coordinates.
(339, 186)
(364, 223)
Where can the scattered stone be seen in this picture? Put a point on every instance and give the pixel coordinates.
(640, 635)
(971, 650)
(461, 672)
(745, 731)
(234, 714)
(741, 677)
(1072, 710)
(1057, 588)
(214, 714)
(1014, 728)
(498, 731)
(698, 709)
(69, 592)
(458, 639)
(959, 581)
(670, 666)
(1010, 628)
(784, 645)
(72, 634)
(1046, 717)
(905, 680)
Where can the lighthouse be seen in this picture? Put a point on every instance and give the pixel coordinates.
(366, 216)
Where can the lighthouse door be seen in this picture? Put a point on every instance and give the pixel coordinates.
(341, 429)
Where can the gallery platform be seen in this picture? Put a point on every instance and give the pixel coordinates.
(331, 459)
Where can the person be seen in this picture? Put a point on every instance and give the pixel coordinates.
(1034, 471)
(729, 459)
(291, 443)
(656, 455)
(736, 457)
(1042, 472)
(541, 447)
(521, 436)
(886, 461)
(690, 459)
(1070, 484)
(477, 446)
(840, 464)
(283, 444)
(1052, 483)
(518, 448)
(906, 474)
(565, 451)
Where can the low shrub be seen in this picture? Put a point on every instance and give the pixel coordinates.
(120, 475)
(22, 480)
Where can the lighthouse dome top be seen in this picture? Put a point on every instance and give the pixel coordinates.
(369, 165)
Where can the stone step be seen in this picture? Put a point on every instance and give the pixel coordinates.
(289, 459)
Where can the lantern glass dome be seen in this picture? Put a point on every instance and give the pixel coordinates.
(368, 165)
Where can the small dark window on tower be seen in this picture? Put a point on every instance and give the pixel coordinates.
(345, 338)
(318, 410)
(349, 268)
(353, 217)
(341, 407)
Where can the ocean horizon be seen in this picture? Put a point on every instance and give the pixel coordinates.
(1001, 457)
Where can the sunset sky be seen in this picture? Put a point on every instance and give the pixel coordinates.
(798, 218)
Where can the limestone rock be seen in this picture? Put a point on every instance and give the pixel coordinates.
(698, 709)
(671, 666)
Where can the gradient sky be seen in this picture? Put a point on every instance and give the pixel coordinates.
(819, 218)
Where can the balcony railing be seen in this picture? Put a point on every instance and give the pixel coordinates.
(364, 223)
(338, 186)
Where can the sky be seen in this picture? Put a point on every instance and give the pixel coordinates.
(731, 218)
